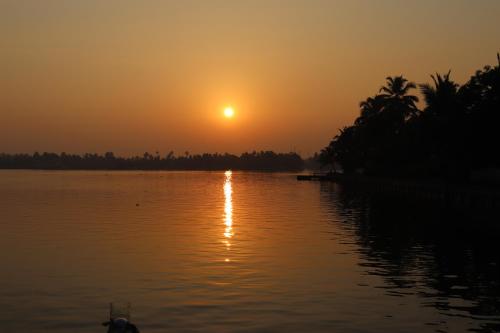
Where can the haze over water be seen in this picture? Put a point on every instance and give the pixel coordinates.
(239, 252)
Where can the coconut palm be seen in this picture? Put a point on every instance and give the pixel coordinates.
(441, 98)
(370, 108)
(397, 98)
(326, 157)
(398, 88)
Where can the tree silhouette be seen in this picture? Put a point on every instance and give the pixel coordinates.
(398, 104)
(453, 137)
(370, 108)
(259, 161)
(441, 98)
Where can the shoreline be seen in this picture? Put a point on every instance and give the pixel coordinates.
(148, 170)
(469, 196)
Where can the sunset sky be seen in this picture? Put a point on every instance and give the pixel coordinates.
(135, 76)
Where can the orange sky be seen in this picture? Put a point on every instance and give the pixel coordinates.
(136, 76)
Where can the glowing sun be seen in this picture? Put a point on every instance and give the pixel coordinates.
(228, 112)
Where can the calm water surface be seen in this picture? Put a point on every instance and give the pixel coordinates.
(240, 252)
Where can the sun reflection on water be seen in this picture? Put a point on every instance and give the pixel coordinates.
(228, 210)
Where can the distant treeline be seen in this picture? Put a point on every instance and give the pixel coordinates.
(263, 161)
(455, 133)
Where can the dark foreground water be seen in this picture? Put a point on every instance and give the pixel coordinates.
(247, 252)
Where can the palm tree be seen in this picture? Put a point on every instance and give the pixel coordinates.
(444, 123)
(371, 107)
(326, 157)
(398, 87)
(397, 98)
(441, 99)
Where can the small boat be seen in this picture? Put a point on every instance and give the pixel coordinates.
(119, 320)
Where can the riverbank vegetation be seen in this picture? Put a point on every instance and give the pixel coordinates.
(452, 134)
(261, 161)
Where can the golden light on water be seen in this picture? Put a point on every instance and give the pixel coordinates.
(228, 206)
(228, 211)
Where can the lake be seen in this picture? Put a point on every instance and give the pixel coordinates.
(236, 252)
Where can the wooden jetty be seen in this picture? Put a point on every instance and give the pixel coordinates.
(319, 177)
